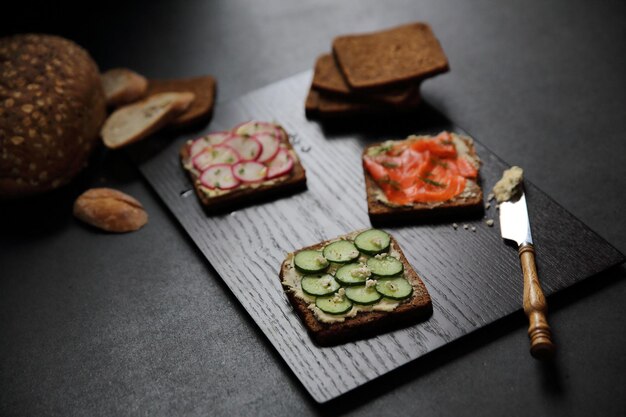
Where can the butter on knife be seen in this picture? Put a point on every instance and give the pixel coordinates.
(515, 226)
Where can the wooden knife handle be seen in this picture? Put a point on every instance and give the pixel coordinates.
(535, 306)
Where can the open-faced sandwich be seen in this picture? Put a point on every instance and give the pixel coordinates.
(422, 177)
(354, 286)
(253, 161)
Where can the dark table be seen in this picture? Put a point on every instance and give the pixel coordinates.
(139, 324)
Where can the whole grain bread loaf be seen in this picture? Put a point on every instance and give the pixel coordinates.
(51, 107)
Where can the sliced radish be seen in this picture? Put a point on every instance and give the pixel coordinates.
(253, 127)
(204, 142)
(281, 134)
(218, 154)
(216, 138)
(249, 148)
(198, 146)
(219, 176)
(271, 145)
(249, 171)
(281, 165)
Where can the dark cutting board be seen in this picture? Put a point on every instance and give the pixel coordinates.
(473, 278)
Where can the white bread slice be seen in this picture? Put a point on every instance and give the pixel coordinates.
(123, 86)
(138, 120)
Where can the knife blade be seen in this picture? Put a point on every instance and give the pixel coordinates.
(515, 226)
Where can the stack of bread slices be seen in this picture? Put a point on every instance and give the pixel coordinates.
(376, 72)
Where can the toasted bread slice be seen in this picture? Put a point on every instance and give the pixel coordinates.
(381, 59)
(123, 86)
(328, 78)
(131, 123)
(417, 307)
(293, 182)
(468, 204)
(201, 109)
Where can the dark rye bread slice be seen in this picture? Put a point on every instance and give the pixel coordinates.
(328, 78)
(402, 54)
(240, 197)
(458, 208)
(312, 103)
(414, 309)
(201, 109)
(322, 105)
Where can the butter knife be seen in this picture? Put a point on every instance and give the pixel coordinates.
(515, 226)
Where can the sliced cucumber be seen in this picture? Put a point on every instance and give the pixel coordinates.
(341, 251)
(373, 241)
(319, 284)
(310, 261)
(352, 274)
(394, 288)
(385, 267)
(333, 304)
(361, 294)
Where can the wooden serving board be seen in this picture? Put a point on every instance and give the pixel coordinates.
(473, 278)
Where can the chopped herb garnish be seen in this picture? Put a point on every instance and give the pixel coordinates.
(388, 164)
(379, 149)
(394, 184)
(241, 171)
(437, 161)
(431, 182)
(447, 142)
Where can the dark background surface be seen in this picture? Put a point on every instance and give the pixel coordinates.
(139, 324)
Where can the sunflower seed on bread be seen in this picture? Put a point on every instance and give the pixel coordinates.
(123, 86)
(138, 120)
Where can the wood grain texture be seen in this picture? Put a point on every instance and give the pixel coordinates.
(473, 277)
(535, 306)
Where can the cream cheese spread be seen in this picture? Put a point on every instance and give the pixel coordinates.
(508, 187)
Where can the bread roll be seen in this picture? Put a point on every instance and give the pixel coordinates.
(51, 108)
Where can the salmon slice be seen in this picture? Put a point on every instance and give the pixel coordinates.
(422, 171)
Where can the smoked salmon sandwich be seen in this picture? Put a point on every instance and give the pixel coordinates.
(422, 178)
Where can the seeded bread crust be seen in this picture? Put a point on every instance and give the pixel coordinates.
(394, 56)
(294, 182)
(365, 324)
(51, 108)
(459, 207)
(201, 109)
